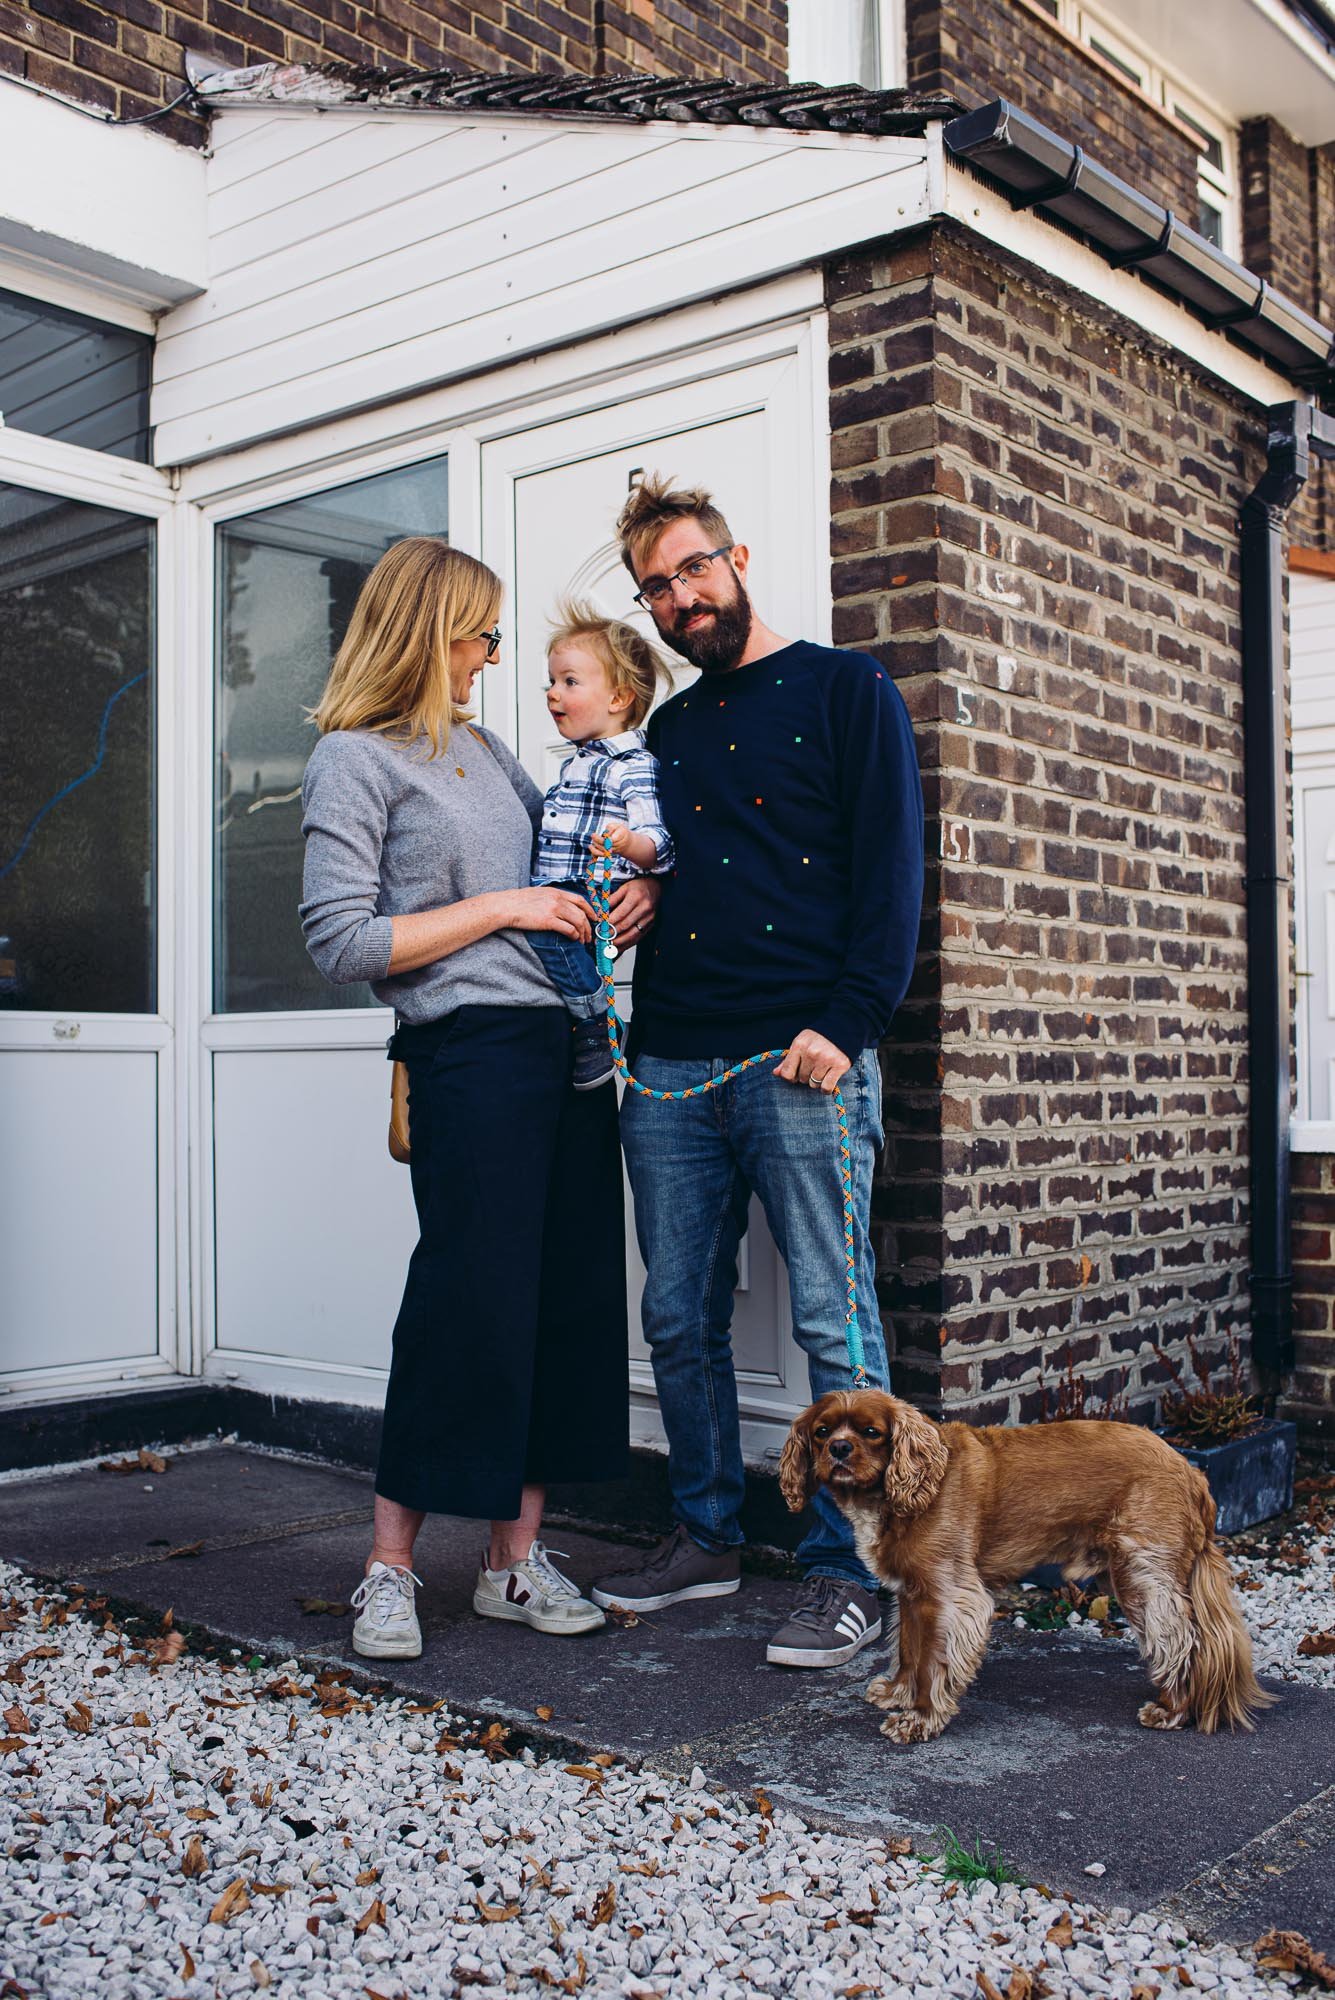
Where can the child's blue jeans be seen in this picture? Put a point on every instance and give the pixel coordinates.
(570, 965)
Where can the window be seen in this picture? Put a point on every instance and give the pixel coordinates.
(1217, 185)
(287, 579)
(66, 376)
(1218, 216)
(846, 41)
(77, 889)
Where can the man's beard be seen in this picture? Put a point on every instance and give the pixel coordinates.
(718, 644)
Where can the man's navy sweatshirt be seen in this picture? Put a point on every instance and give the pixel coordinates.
(790, 788)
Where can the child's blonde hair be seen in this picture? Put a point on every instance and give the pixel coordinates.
(633, 665)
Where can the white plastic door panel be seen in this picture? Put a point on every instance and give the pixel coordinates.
(549, 502)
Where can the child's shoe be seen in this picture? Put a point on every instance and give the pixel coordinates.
(593, 1053)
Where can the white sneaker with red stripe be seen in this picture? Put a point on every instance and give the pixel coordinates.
(534, 1592)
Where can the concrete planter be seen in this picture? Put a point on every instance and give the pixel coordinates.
(1250, 1477)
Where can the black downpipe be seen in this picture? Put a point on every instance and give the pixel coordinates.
(1296, 430)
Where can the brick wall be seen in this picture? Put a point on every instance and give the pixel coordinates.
(1311, 1397)
(1035, 525)
(981, 49)
(127, 55)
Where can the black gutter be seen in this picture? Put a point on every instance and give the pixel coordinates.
(1037, 168)
(1297, 431)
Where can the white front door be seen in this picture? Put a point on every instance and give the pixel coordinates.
(86, 1055)
(550, 497)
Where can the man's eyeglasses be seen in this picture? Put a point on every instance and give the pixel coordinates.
(493, 639)
(657, 589)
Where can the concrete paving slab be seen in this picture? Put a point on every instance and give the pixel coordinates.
(90, 1516)
(1231, 1834)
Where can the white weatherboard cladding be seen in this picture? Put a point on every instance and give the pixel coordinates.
(358, 256)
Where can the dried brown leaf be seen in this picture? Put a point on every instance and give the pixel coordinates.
(1020, 1985)
(367, 1876)
(1317, 1645)
(80, 1719)
(260, 1972)
(544, 1711)
(168, 1648)
(232, 1901)
(496, 1913)
(985, 1986)
(1062, 1932)
(900, 1845)
(775, 1896)
(589, 1771)
(141, 1720)
(14, 1718)
(187, 1963)
(374, 1913)
(194, 1861)
(1290, 1951)
(605, 1907)
(186, 1549)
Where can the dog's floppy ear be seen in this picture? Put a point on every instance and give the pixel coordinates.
(796, 1480)
(918, 1462)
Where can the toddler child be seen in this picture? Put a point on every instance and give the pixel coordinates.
(602, 676)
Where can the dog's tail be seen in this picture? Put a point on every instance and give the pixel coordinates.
(1222, 1688)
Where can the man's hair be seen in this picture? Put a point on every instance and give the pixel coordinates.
(652, 508)
(633, 666)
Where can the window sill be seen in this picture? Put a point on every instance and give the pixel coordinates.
(1312, 1135)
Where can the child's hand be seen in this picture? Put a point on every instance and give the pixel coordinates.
(614, 839)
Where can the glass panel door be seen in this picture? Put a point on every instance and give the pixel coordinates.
(287, 579)
(84, 1057)
(77, 904)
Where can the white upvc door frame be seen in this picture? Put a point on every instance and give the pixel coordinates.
(455, 422)
(47, 465)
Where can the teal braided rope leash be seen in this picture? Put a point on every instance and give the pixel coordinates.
(600, 889)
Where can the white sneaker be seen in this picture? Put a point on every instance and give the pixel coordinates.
(388, 1627)
(534, 1592)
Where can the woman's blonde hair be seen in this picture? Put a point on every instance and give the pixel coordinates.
(392, 672)
(633, 665)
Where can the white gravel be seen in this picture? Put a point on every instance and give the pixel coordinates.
(367, 1848)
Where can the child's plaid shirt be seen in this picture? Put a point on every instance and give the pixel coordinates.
(611, 778)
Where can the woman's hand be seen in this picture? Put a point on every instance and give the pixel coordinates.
(633, 908)
(541, 909)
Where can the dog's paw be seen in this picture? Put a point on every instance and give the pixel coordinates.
(1153, 1715)
(888, 1691)
(911, 1727)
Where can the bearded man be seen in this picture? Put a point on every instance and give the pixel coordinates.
(789, 784)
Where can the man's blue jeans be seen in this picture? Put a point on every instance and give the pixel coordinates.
(693, 1167)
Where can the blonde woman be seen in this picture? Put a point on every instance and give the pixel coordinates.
(509, 1361)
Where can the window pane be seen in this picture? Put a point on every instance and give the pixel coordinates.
(1211, 146)
(76, 756)
(288, 578)
(1210, 223)
(65, 376)
(834, 41)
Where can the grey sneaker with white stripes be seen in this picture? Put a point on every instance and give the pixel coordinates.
(830, 1622)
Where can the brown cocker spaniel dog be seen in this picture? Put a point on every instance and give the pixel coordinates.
(945, 1514)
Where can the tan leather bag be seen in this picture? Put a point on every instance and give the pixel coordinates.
(399, 1148)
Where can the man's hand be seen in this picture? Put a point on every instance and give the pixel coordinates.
(814, 1061)
(633, 908)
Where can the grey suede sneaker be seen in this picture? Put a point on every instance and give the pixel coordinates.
(677, 1569)
(830, 1622)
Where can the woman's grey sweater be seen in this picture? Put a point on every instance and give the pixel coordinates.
(390, 831)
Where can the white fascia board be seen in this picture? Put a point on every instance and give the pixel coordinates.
(1057, 255)
(117, 206)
